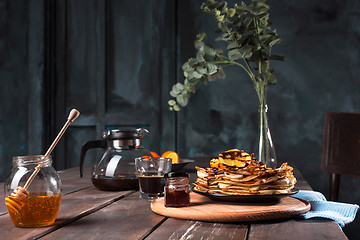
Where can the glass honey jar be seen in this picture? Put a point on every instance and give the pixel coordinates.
(177, 189)
(39, 204)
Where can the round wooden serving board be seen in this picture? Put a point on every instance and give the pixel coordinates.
(204, 209)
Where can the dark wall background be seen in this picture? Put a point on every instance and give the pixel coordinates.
(116, 62)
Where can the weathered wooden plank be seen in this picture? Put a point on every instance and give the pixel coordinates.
(74, 183)
(73, 207)
(297, 230)
(71, 172)
(2, 202)
(129, 218)
(174, 229)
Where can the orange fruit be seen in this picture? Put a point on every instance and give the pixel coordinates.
(221, 166)
(154, 154)
(173, 155)
(214, 163)
(238, 163)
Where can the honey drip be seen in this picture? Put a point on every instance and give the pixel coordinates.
(33, 211)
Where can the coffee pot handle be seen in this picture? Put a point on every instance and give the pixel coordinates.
(88, 145)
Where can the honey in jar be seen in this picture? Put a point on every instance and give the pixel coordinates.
(41, 205)
(33, 211)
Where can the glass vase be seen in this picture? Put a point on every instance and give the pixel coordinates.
(266, 149)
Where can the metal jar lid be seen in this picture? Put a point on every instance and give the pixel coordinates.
(124, 134)
(176, 174)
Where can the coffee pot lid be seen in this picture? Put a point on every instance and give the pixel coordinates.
(125, 134)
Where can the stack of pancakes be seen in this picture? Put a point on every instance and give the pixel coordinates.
(235, 172)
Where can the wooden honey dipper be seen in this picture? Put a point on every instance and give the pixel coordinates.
(22, 191)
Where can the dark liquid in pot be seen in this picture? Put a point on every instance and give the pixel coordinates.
(120, 183)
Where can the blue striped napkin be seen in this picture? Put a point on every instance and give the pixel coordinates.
(342, 213)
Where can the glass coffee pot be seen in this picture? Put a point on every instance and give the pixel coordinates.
(115, 170)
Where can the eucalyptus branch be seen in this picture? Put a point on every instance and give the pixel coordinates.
(249, 38)
(251, 74)
(234, 63)
(249, 69)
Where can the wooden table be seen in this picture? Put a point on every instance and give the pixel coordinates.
(88, 213)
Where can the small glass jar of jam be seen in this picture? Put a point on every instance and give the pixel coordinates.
(177, 189)
(37, 204)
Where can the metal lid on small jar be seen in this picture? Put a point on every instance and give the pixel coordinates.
(176, 174)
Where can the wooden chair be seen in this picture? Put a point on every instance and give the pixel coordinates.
(340, 148)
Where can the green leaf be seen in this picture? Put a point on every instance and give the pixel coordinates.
(179, 86)
(209, 51)
(223, 37)
(219, 51)
(200, 56)
(247, 21)
(255, 57)
(245, 51)
(211, 68)
(231, 12)
(191, 81)
(199, 44)
(277, 57)
(220, 74)
(172, 102)
(182, 100)
(173, 94)
(265, 53)
(192, 62)
(264, 66)
(234, 54)
(201, 37)
(275, 41)
(271, 78)
(177, 89)
(176, 108)
(260, 10)
(243, 8)
(266, 38)
(220, 18)
(186, 67)
(262, 4)
(232, 45)
(194, 74)
(202, 70)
